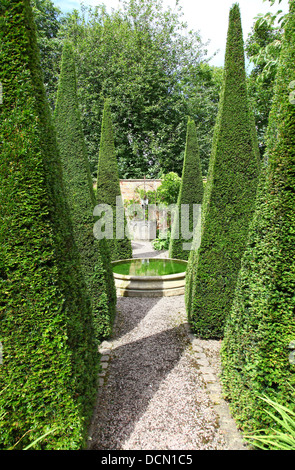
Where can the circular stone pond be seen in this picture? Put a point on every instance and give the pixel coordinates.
(149, 277)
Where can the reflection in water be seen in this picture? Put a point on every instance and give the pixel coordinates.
(150, 267)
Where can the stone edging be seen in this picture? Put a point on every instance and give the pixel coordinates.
(232, 436)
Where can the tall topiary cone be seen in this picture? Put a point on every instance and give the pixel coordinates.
(228, 200)
(256, 355)
(109, 191)
(190, 194)
(48, 371)
(81, 197)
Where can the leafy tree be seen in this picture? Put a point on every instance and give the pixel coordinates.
(255, 352)
(228, 199)
(145, 61)
(201, 90)
(109, 191)
(190, 194)
(81, 198)
(153, 65)
(49, 20)
(263, 49)
(49, 372)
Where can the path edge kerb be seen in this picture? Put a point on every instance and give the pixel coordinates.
(232, 436)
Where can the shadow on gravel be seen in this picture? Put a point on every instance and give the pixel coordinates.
(138, 306)
(136, 372)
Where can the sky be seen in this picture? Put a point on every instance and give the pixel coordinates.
(209, 17)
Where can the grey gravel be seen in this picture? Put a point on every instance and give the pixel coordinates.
(159, 388)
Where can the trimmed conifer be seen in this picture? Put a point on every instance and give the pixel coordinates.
(255, 353)
(48, 374)
(190, 194)
(109, 191)
(228, 200)
(81, 197)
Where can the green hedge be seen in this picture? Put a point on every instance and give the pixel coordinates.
(190, 193)
(108, 186)
(81, 198)
(255, 350)
(228, 200)
(48, 377)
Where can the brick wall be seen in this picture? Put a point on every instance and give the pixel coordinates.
(128, 187)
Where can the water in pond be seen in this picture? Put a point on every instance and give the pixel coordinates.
(149, 267)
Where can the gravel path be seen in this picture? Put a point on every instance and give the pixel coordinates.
(159, 387)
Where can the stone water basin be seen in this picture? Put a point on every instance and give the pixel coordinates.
(149, 277)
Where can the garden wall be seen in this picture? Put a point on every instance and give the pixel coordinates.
(129, 186)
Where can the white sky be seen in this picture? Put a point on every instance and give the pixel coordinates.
(209, 17)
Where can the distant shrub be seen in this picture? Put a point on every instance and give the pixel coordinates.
(190, 194)
(167, 192)
(160, 244)
(108, 185)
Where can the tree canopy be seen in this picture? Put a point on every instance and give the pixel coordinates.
(109, 193)
(49, 19)
(263, 48)
(154, 71)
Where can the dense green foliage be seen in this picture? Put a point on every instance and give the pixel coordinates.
(57, 293)
(166, 78)
(168, 191)
(261, 325)
(109, 191)
(49, 20)
(228, 198)
(190, 194)
(81, 197)
(263, 48)
(202, 92)
(281, 438)
(49, 372)
(154, 71)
